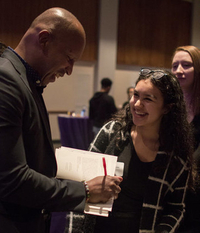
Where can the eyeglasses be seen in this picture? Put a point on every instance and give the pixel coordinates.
(157, 74)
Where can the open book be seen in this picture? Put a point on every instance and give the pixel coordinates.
(82, 165)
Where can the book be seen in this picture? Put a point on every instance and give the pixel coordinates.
(79, 165)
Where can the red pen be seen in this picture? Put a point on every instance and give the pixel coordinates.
(104, 166)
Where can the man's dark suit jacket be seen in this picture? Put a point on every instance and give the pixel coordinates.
(27, 161)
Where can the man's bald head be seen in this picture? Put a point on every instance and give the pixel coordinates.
(58, 20)
(53, 43)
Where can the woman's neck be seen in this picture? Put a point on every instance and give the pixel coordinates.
(146, 143)
(147, 132)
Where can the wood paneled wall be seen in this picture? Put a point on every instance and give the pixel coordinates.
(150, 30)
(16, 17)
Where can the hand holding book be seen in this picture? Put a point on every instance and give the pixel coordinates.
(82, 165)
(100, 188)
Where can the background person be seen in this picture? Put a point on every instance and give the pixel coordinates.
(28, 187)
(186, 67)
(129, 91)
(101, 105)
(153, 138)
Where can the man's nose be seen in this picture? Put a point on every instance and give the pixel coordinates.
(69, 69)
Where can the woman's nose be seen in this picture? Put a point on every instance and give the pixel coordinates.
(179, 69)
(138, 102)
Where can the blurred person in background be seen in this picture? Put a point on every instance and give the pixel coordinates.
(129, 92)
(101, 106)
(186, 67)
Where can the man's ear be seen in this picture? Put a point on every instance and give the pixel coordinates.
(43, 38)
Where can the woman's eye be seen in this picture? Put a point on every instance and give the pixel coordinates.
(187, 65)
(148, 99)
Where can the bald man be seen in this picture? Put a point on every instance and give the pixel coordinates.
(29, 190)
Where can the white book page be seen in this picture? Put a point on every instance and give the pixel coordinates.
(82, 165)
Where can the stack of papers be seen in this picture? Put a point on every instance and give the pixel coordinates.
(82, 165)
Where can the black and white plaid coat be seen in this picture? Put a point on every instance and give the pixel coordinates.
(163, 205)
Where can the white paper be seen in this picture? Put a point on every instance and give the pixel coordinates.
(119, 170)
(82, 165)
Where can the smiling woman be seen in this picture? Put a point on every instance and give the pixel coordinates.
(153, 139)
(147, 105)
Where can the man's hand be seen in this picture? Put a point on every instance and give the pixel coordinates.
(102, 188)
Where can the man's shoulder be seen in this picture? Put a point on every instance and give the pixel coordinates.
(6, 67)
(96, 95)
(105, 96)
(9, 62)
(13, 71)
(110, 97)
(12, 56)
